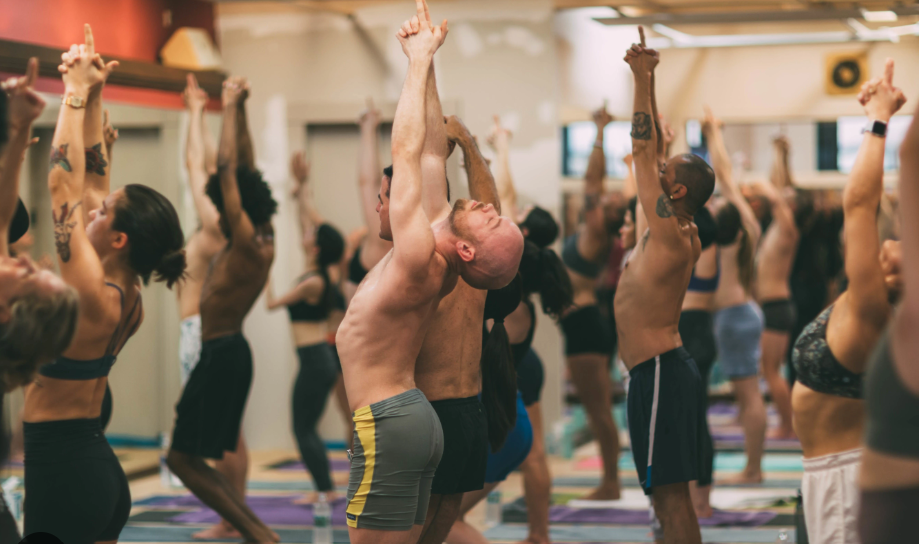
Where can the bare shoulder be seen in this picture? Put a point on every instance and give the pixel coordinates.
(418, 285)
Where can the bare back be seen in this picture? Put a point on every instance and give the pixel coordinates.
(199, 252)
(381, 336)
(234, 282)
(650, 295)
(774, 261)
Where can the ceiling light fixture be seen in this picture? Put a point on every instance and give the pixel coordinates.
(879, 16)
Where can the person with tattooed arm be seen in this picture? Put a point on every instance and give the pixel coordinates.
(108, 245)
(665, 409)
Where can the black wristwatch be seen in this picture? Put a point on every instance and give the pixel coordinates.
(878, 128)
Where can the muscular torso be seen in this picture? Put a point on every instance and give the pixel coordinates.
(774, 261)
(730, 291)
(448, 365)
(236, 278)
(381, 336)
(650, 296)
(706, 268)
(199, 251)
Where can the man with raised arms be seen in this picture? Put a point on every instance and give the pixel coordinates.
(665, 392)
(398, 440)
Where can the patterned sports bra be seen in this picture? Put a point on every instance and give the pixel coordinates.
(818, 368)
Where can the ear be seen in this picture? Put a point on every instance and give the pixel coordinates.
(465, 251)
(120, 240)
(678, 191)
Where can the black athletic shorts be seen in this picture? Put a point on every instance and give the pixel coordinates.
(210, 411)
(698, 335)
(530, 377)
(587, 331)
(462, 467)
(666, 419)
(780, 315)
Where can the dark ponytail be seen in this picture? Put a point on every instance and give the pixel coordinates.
(541, 271)
(331, 246)
(499, 375)
(541, 227)
(155, 236)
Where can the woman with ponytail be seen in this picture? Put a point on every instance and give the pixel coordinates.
(310, 304)
(108, 246)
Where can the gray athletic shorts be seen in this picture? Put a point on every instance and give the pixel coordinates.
(738, 330)
(398, 443)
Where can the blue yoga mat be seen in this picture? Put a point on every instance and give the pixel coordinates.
(174, 533)
(735, 462)
(593, 533)
(632, 481)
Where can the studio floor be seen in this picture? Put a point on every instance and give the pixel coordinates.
(745, 514)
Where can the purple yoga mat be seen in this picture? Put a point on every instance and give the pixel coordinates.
(336, 465)
(272, 510)
(615, 516)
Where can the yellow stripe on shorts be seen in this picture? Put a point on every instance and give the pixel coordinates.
(366, 433)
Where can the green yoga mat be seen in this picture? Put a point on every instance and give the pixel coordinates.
(632, 481)
(735, 462)
(593, 533)
(182, 533)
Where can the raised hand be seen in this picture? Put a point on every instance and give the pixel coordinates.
(602, 117)
(667, 131)
(710, 122)
(456, 130)
(879, 96)
(640, 59)
(232, 94)
(418, 36)
(300, 168)
(370, 118)
(83, 68)
(195, 97)
(25, 105)
(109, 133)
(499, 136)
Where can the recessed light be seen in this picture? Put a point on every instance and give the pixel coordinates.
(879, 16)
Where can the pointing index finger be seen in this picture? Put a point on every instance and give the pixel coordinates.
(32, 72)
(90, 43)
(888, 71)
(641, 34)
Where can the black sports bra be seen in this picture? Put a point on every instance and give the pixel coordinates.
(816, 365)
(356, 270)
(303, 311)
(64, 368)
(522, 348)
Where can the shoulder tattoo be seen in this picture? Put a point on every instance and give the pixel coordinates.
(641, 126)
(59, 157)
(664, 208)
(63, 228)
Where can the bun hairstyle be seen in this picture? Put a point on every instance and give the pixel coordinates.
(41, 327)
(155, 236)
(728, 226)
(541, 271)
(499, 375)
(542, 229)
(331, 246)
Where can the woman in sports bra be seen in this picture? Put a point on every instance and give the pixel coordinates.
(889, 477)
(832, 353)
(310, 304)
(107, 245)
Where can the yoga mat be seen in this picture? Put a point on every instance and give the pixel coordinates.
(273, 510)
(591, 533)
(295, 465)
(632, 481)
(724, 462)
(176, 533)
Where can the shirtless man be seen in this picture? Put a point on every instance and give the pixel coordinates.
(202, 245)
(773, 291)
(209, 413)
(398, 440)
(665, 392)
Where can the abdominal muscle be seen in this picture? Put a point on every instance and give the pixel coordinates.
(826, 424)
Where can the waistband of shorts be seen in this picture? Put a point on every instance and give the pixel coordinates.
(55, 440)
(578, 311)
(776, 302)
(457, 404)
(737, 308)
(192, 319)
(676, 355)
(319, 346)
(228, 340)
(833, 460)
(697, 312)
(412, 396)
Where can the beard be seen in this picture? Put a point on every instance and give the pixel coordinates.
(455, 228)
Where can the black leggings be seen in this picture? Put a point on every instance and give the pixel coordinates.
(697, 332)
(9, 532)
(106, 415)
(75, 487)
(317, 376)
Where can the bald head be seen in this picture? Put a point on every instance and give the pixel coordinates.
(489, 246)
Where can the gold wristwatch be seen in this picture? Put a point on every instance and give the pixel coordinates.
(74, 101)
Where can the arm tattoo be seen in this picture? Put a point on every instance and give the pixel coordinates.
(63, 227)
(591, 201)
(95, 161)
(641, 126)
(664, 208)
(59, 157)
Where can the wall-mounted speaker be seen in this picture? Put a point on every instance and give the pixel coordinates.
(846, 72)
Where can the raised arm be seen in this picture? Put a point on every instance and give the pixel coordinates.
(241, 227)
(594, 220)
(906, 342)
(481, 182)
(109, 134)
(780, 175)
(243, 138)
(721, 164)
(98, 162)
(195, 158)
(499, 140)
(860, 200)
(434, 155)
(309, 216)
(369, 170)
(413, 239)
(79, 263)
(773, 191)
(309, 289)
(24, 106)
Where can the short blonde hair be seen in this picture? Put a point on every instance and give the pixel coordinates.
(41, 327)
